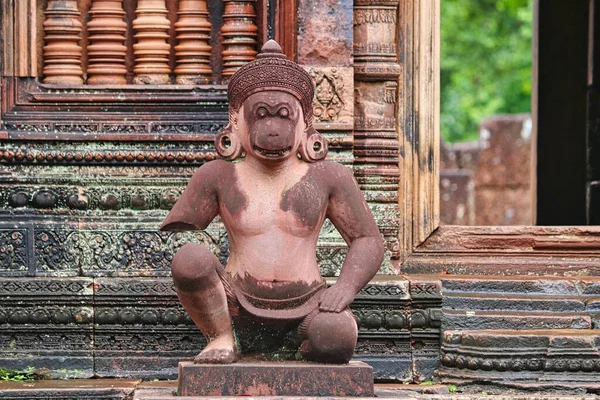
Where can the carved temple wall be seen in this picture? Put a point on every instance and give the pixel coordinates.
(109, 106)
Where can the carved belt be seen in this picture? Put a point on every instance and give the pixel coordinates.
(286, 309)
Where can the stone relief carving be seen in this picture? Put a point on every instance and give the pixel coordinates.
(329, 94)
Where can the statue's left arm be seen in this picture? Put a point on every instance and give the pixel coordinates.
(350, 214)
(198, 205)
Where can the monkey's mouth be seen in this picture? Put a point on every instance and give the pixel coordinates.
(272, 153)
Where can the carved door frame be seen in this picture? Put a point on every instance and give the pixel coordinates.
(427, 247)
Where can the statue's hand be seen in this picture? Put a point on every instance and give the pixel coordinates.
(336, 298)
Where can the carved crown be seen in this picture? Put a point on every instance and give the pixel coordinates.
(272, 71)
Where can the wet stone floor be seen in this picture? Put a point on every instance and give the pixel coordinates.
(128, 389)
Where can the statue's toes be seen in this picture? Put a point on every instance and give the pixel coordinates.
(216, 356)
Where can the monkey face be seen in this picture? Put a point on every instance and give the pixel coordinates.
(274, 123)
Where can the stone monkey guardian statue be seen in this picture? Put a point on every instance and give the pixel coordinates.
(271, 298)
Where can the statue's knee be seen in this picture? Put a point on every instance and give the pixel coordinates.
(332, 337)
(192, 265)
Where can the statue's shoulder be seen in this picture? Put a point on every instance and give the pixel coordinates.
(211, 174)
(334, 174)
(213, 169)
(331, 169)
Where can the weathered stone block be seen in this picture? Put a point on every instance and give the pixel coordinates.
(525, 285)
(47, 323)
(565, 358)
(505, 158)
(275, 379)
(501, 205)
(514, 304)
(83, 389)
(390, 368)
(457, 197)
(425, 289)
(506, 320)
(325, 32)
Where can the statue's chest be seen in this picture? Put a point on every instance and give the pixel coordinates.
(298, 210)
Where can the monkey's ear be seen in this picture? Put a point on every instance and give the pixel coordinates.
(314, 146)
(228, 144)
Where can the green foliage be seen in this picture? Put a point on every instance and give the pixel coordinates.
(485, 62)
(28, 374)
(452, 388)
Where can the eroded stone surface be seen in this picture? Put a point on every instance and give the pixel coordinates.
(325, 34)
(275, 379)
(567, 358)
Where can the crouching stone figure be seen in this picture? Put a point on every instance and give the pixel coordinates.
(271, 298)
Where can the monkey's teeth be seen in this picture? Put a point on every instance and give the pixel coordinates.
(272, 153)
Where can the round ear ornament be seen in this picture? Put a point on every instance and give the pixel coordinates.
(227, 144)
(314, 147)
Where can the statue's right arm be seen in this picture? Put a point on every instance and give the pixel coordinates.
(199, 203)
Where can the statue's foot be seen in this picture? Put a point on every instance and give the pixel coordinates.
(221, 350)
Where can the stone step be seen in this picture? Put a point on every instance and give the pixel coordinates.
(514, 320)
(552, 286)
(561, 357)
(100, 389)
(494, 302)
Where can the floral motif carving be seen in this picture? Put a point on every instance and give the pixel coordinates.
(13, 250)
(330, 260)
(329, 94)
(56, 250)
(375, 16)
(187, 341)
(139, 252)
(44, 287)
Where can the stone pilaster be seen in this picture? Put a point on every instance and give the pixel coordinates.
(376, 146)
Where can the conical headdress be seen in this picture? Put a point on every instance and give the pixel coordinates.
(272, 71)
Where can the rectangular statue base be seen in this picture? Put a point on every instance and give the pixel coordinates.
(275, 379)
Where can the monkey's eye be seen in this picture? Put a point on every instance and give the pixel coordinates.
(284, 112)
(261, 112)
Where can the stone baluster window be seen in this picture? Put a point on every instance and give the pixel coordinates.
(146, 42)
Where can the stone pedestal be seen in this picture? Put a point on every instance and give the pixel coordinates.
(275, 379)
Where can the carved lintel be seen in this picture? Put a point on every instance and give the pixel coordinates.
(62, 52)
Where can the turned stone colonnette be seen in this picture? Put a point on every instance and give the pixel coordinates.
(273, 203)
(107, 50)
(62, 52)
(107, 30)
(193, 51)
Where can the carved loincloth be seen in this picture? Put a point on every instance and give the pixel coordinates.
(294, 308)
